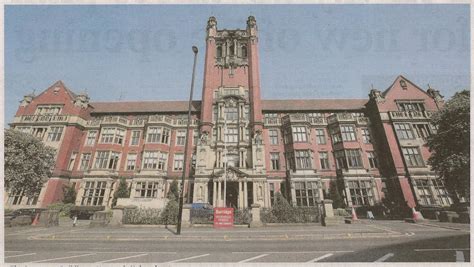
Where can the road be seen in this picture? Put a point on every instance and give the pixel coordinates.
(367, 241)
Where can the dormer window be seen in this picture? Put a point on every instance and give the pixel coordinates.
(48, 109)
(411, 106)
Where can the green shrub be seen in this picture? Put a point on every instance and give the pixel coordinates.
(173, 193)
(170, 213)
(122, 191)
(63, 208)
(341, 212)
(283, 212)
(84, 212)
(142, 216)
(242, 216)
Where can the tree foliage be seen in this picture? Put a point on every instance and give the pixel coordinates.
(450, 145)
(69, 194)
(337, 201)
(28, 162)
(173, 193)
(122, 191)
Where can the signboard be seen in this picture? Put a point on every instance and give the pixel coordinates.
(223, 217)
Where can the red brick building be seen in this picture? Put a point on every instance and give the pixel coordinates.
(371, 148)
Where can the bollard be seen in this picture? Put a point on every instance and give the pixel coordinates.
(74, 222)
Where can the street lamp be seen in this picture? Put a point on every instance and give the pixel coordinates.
(181, 192)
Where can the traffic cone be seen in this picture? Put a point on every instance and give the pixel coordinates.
(35, 221)
(354, 215)
(417, 216)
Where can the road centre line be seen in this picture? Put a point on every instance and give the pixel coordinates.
(121, 252)
(322, 257)
(253, 258)
(385, 257)
(189, 258)
(294, 252)
(459, 256)
(21, 255)
(53, 259)
(440, 249)
(122, 258)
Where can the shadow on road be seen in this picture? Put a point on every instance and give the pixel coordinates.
(441, 249)
(171, 230)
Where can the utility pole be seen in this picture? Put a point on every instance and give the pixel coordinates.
(181, 191)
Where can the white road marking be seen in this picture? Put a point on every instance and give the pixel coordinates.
(122, 258)
(439, 249)
(253, 258)
(21, 255)
(294, 252)
(459, 256)
(189, 258)
(112, 252)
(384, 229)
(385, 257)
(13, 250)
(53, 259)
(322, 257)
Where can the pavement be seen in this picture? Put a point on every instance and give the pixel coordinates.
(366, 241)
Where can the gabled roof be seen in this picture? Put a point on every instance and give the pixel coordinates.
(401, 77)
(59, 84)
(144, 106)
(313, 104)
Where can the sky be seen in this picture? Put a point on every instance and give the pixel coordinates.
(306, 51)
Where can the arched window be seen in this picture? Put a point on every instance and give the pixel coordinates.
(231, 50)
(219, 51)
(244, 51)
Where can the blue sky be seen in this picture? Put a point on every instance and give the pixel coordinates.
(306, 51)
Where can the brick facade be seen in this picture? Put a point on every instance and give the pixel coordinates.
(371, 148)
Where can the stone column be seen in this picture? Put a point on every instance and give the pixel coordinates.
(214, 194)
(246, 204)
(219, 193)
(328, 208)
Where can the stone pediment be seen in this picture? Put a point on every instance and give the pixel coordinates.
(233, 174)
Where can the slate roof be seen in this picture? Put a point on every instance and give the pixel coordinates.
(267, 105)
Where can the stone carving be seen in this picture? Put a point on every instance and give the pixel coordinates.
(434, 94)
(27, 99)
(204, 138)
(258, 137)
(376, 95)
(82, 100)
(211, 23)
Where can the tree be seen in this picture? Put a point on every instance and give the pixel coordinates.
(337, 201)
(173, 193)
(450, 145)
(69, 194)
(121, 192)
(282, 210)
(28, 162)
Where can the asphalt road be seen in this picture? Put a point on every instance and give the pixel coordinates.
(368, 241)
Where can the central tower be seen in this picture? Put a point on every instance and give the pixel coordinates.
(231, 147)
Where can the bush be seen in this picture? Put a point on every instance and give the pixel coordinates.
(122, 191)
(341, 212)
(335, 195)
(283, 212)
(173, 193)
(63, 208)
(142, 216)
(170, 213)
(243, 216)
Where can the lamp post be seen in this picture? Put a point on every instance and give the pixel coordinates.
(181, 191)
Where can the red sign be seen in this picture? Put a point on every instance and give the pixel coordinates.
(223, 217)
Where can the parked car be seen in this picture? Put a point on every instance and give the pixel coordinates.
(202, 213)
